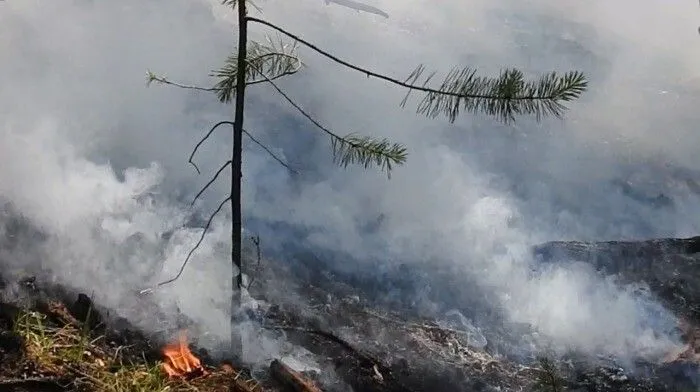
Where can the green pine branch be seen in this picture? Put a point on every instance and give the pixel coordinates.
(352, 149)
(276, 59)
(504, 97)
(368, 151)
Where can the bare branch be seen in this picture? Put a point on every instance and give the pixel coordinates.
(151, 77)
(227, 163)
(503, 96)
(278, 59)
(213, 179)
(272, 154)
(162, 80)
(353, 148)
(202, 140)
(328, 336)
(256, 242)
(366, 71)
(189, 255)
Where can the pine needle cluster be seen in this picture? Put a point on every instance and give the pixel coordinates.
(265, 62)
(368, 151)
(504, 97)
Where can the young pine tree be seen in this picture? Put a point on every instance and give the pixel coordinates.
(462, 90)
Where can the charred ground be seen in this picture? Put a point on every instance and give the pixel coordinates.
(53, 337)
(57, 339)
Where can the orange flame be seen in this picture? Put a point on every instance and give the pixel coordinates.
(179, 360)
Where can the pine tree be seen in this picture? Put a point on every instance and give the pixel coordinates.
(504, 97)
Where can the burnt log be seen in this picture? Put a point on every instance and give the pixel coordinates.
(291, 379)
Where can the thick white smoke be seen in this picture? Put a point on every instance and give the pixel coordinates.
(80, 131)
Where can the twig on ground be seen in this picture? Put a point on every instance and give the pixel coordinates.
(328, 336)
(48, 381)
(291, 378)
(412, 324)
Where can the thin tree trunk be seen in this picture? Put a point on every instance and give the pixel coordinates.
(236, 174)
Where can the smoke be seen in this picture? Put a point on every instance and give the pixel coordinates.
(98, 161)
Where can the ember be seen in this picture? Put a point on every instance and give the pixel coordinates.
(179, 360)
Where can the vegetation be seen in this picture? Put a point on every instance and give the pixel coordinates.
(505, 97)
(548, 377)
(70, 354)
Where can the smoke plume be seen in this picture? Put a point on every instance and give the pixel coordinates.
(98, 161)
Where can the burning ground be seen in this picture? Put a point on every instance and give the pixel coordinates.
(50, 350)
(56, 339)
(44, 346)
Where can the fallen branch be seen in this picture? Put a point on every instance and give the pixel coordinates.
(44, 384)
(240, 383)
(368, 360)
(291, 378)
(380, 373)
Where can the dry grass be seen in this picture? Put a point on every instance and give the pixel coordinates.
(70, 352)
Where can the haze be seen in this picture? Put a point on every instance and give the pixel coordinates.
(75, 114)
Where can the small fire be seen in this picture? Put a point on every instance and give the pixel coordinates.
(179, 360)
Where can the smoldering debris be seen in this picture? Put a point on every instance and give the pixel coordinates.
(369, 349)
